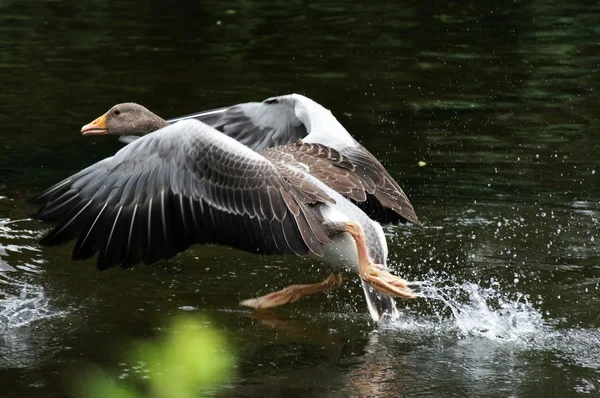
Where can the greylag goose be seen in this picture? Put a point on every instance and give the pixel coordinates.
(280, 121)
(187, 183)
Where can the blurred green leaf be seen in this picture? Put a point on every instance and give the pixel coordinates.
(191, 358)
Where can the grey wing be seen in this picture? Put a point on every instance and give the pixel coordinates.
(181, 185)
(257, 125)
(273, 123)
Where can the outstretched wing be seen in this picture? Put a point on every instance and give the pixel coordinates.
(181, 185)
(275, 122)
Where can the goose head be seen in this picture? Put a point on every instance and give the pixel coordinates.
(127, 118)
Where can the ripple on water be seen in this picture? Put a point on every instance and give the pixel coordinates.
(17, 240)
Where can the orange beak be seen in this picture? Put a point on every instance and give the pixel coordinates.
(97, 127)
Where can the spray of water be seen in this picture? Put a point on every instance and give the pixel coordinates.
(468, 310)
(22, 303)
(481, 311)
(26, 323)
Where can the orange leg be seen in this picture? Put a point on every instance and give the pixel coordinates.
(372, 273)
(293, 293)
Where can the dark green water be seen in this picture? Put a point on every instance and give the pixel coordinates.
(500, 99)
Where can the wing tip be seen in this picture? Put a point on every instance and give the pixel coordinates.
(412, 218)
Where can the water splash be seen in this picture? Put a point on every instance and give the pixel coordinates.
(468, 311)
(22, 303)
(25, 337)
(481, 311)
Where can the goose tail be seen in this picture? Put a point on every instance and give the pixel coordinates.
(381, 305)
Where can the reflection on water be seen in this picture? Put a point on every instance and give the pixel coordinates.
(498, 101)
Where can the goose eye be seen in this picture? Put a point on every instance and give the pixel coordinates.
(116, 112)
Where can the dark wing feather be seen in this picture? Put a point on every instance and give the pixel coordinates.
(354, 173)
(257, 125)
(182, 185)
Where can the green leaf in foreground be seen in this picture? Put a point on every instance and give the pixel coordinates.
(190, 359)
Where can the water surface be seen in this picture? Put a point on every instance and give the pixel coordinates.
(500, 102)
